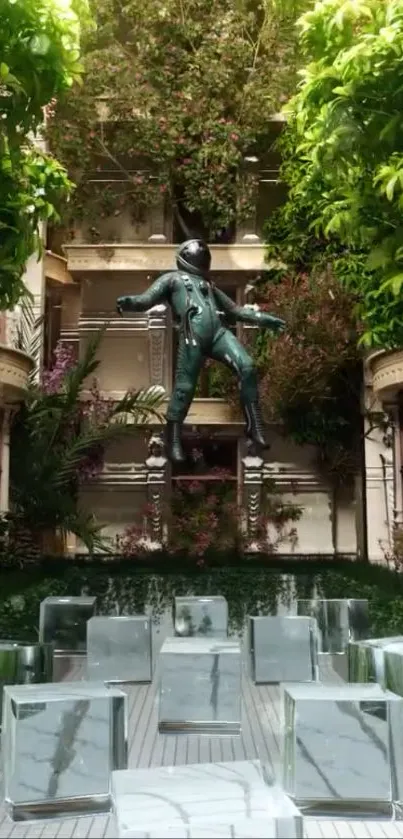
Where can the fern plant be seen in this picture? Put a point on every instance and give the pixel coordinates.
(52, 439)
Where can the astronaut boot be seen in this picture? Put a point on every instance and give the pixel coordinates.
(173, 440)
(255, 430)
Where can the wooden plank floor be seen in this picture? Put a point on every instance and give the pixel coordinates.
(260, 738)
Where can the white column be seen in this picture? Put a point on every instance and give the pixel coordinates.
(5, 461)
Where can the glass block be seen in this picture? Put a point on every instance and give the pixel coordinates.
(119, 649)
(207, 799)
(342, 751)
(24, 662)
(283, 649)
(63, 622)
(339, 621)
(200, 685)
(206, 616)
(366, 659)
(60, 743)
(393, 657)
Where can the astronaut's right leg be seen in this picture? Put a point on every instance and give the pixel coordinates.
(188, 365)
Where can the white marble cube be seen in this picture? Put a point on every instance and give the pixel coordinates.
(204, 616)
(200, 685)
(119, 649)
(60, 743)
(366, 659)
(283, 649)
(339, 622)
(342, 749)
(63, 622)
(203, 800)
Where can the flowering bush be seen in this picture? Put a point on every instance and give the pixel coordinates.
(309, 376)
(187, 90)
(204, 517)
(58, 442)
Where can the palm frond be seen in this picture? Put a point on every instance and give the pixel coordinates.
(29, 333)
(139, 406)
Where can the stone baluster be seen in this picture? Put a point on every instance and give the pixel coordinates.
(252, 484)
(157, 329)
(156, 464)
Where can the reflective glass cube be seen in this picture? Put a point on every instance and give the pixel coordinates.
(339, 621)
(24, 662)
(393, 657)
(366, 659)
(342, 749)
(205, 616)
(200, 685)
(119, 649)
(207, 799)
(283, 649)
(60, 743)
(63, 622)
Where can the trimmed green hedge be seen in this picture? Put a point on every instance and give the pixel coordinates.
(252, 587)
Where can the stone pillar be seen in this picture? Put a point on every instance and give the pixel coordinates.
(5, 460)
(156, 464)
(253, 483)
(157, 329)
(246, 229)
(158, 222)
(380, 481)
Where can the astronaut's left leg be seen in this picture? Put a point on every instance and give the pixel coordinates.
(229, 351)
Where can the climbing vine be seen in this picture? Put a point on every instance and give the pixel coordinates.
(176, 94)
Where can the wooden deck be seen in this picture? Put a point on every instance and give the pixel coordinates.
(260, 738)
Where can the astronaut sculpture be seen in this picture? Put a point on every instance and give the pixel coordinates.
(202, 314)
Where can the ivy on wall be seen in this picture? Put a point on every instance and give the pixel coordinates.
(175, 95)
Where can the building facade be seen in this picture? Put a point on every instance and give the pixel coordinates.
(75, 287)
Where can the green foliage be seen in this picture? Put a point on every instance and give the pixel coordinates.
(343, 157)
(39, 42)
(248, 589)
(188, 87)
(53, 436)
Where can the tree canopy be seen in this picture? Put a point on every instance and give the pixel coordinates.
(39, 52)
(189, 88)
(343, 156)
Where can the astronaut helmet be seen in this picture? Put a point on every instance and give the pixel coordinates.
(194, 256)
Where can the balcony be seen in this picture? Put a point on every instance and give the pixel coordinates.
(154, 318)
(15, 367)
(386, 372)
(56, 272)
(85, 259)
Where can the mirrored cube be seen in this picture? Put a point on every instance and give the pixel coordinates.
(119, 649)
(393, 657)
(283, 649)
(342, 749)
(207, 799)
(200, 685)
(366, 659)
(60, 743)
(339, 621)
(205, 616)
(63, 622)
(24, 662)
